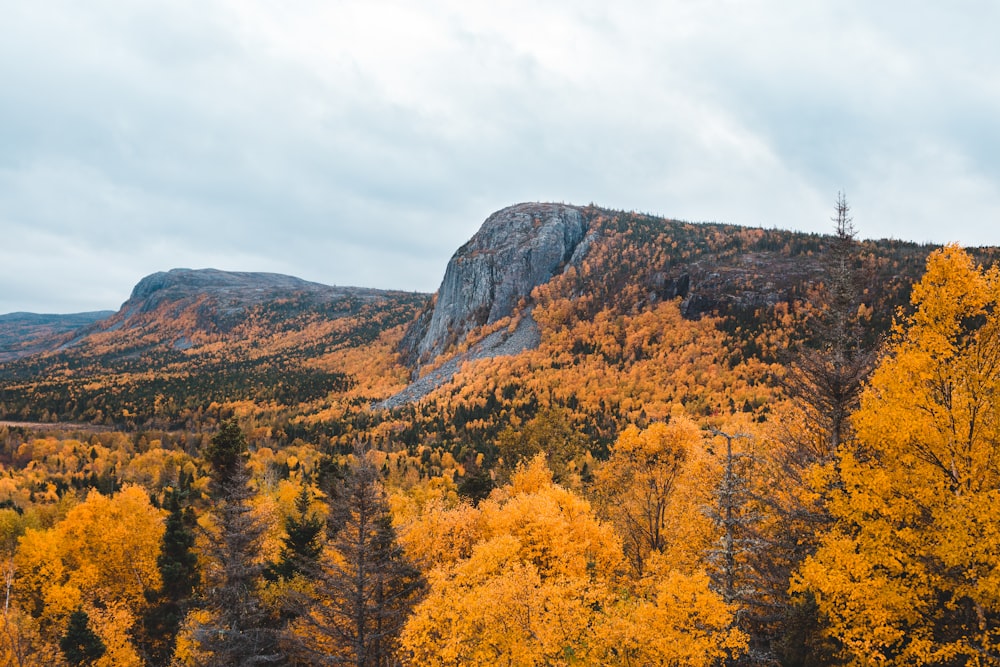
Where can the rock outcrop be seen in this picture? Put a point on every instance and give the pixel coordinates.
(516, 249)
(221, 298)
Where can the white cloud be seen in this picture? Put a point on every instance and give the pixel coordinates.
(362, 142)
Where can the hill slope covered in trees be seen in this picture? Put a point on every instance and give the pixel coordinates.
(644, 441)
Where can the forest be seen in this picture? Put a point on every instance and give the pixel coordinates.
(774, 486)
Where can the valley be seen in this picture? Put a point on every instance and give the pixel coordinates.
(663, 439)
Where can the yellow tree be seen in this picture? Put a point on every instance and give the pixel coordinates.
(637, 484)
(101, 558)
(543, 584)
(910, 572)
(540, 560)
(673, 618)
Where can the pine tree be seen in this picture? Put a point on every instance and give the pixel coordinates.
(239, 632)
(178, 565)
(80, 645)
(363, 590)
(303, 542)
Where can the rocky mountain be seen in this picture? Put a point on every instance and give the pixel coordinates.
(25, 334)
(516, 249)
(188, 338)
(545, 303)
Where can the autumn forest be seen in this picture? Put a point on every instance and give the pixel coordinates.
(693, 444)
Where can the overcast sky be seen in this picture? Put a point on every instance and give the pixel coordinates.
(360, 143)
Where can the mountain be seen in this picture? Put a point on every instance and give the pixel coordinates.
(610, 317)
(25, 334)
(186, 339)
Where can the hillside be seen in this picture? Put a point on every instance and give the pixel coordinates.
(25, 334)
(188, 339)
(612, 317)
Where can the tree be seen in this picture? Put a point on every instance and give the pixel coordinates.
(238, 632)
(303, 544)
(826, 380)
(80, 646)
(540, 559)
(178, 565)
(735, 564)
(908, 572)
(551, 576)
(637, 483)
(100, 558)
(363, 587)
(549, 432)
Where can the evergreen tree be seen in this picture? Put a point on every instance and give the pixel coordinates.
(178, 565)
(239, 632)
(363, 592)
(303, 542)
(80, 645)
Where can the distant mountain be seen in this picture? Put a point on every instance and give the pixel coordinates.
(24, 334)
(187, 338)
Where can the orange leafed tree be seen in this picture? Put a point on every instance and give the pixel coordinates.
(554, 578)
(101, 558)
(909, 572)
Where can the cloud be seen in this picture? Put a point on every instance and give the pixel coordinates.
(363, 142)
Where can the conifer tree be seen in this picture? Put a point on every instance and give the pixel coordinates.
(364, 587)
(239, 632)
(80, 645)
(178, 565)
(303, 542)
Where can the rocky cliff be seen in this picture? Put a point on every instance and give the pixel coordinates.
(515, 250)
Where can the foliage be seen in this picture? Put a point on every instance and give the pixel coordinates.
(636, 485)
(907, 575)
(552, 573)
(102, 558)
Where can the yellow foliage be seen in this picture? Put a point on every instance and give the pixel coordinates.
(909, 573)
(541, 584)
(677, 620)
(102, 557)
(651, 488)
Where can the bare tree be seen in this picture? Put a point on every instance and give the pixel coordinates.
(827, 379)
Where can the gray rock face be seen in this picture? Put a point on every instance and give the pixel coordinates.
(154, 289)
(516, 249)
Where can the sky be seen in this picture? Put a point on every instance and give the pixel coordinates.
(361, 143)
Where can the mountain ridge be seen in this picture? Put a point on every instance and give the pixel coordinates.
(544, 287)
